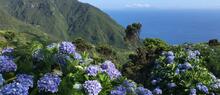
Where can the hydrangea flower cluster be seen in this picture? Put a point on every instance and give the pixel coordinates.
(61, 58)
(1, 80)
(183, 67)
(192, 91)
(67, 48)
(7, 64)
(92, 87)
(193, 54)
(143, 91)
(14, 88)
(49, 83)
(7, 51)
(92, 70)
(171, 85)
(129, 87)
(157, 91)
(170, 57)
(202, 88)
(111, 70)
(77, 56)
(216, 85)
(119, 90)
(25, 80)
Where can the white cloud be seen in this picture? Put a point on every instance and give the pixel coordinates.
(138, 5)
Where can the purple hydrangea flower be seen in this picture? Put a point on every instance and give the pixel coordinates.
(202, 88)
(108, 65)
(110, 69)
(113, 73)
(2, 80)
(192, 91)
(49, 83)
(92, 70)
(25, 80)
(197, 52)
(171, 85)
(154, 82)
(130, 86)
(191, 54)
(92, 87)
(170, 59)
(177, 71)
(119, 90)
(14, 89)
(216, 85)
(67, 48)
(62, 58)
(77, 56)
(143, 91)
(7, 64)
(157, 91)
(170, 53)
(7, 51)
(186, 65)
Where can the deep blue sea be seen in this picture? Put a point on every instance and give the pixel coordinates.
(173, 26)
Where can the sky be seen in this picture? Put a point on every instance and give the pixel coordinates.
(154, 4)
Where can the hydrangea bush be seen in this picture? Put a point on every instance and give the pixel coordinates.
(183, 71)
(58, 69)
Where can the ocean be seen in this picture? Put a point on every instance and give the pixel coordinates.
(173, 26)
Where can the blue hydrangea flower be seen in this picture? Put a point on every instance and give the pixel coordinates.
(25, 80)
(191, 54)
(143, 91)
(49, 83)
(197, 52)
(171, 85)
(62, 58)
(202, 88)
(7, 64)
(7, 51)
(216, 85)
(92, 70)
(157, 91)
(170, 59)
(192, 91)
(177, 71)
(130, 86)
(108, 65)
(110, 69)
(77, 56)
(2, 80)
(38, 55)
(113, 73)
(14, 89)
(92, 87)
(119, 90)
(154, 82)
(186, 65)
(67, 48)
(170, 53)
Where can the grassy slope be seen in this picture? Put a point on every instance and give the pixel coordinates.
(66, 20)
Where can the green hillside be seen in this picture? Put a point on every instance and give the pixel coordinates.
(62, 20)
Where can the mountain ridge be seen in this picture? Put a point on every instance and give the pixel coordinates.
(66, 20)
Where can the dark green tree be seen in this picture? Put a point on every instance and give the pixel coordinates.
(133, 31)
